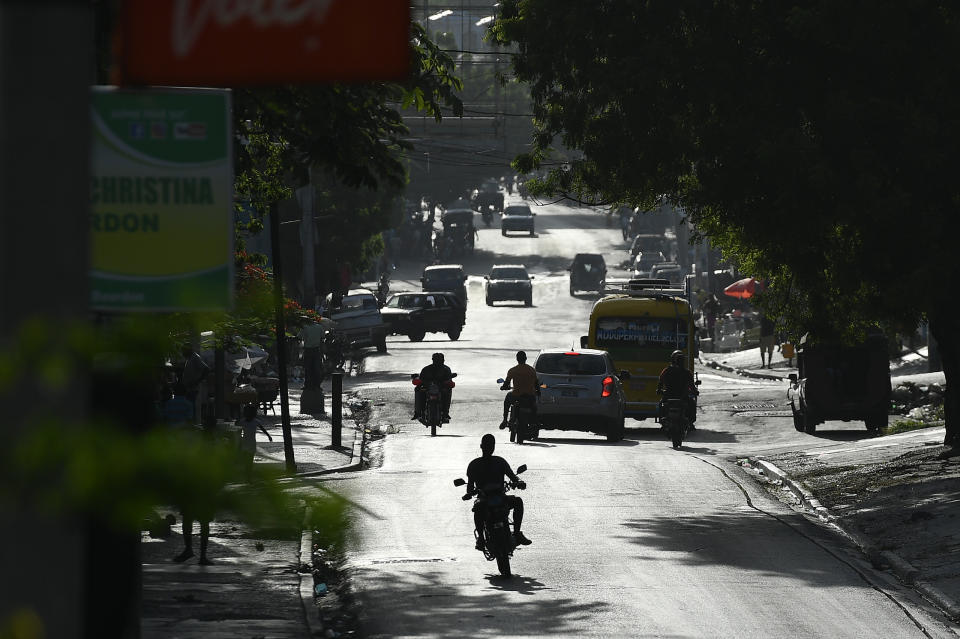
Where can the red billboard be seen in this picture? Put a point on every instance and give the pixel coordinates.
(228, 43)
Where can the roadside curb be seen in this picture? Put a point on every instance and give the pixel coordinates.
(709, 363)
(906, 572)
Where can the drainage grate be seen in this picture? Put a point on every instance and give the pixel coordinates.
(431, 560)
(753, 406)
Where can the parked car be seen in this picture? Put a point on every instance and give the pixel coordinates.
(357, 318)
(445, 277)
(417, 313)
(509, 282)
(517, 217)
(588, 272)
(580, 390)
(646, 260)
(835, 381)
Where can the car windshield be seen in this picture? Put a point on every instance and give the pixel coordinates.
(508, 274)
(407, 301)
(516, 210)
(443, 274)
(356, 303)
(571, 364)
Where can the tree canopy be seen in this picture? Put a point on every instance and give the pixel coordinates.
(814, 142)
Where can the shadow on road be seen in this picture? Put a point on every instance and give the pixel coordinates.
(749, 542)
(434, 606)
(599, 440)
(516, 583)
(845, 435)
(700, 435)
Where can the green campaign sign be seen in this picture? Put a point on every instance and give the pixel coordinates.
(161, 199)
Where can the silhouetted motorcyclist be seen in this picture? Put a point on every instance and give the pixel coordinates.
(488, 473)
(436, 372)
(676, 382)
(525, 386)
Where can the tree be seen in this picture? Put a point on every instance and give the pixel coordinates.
(815, 142)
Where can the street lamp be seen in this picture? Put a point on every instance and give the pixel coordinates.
(440, 14)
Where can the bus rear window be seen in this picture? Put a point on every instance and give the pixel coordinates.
(575, 364)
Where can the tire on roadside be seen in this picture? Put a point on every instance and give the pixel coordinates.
(616, 429)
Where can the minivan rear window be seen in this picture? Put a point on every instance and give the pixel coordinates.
(570, 364)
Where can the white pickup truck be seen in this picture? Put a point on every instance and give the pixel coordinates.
(357, 318)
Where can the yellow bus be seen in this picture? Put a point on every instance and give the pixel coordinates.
(640, 323)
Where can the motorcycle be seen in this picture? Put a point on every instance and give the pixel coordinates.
(498, 542)
(675, 421)
(521, 417)
(487, 215)
(432, 416)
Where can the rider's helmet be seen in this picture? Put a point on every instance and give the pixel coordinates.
(487, 443)
(676, 357)
(438, 358)
(521, 357)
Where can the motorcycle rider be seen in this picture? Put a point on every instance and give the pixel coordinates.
(487, 473)
(676, 382)
(436, 372)
(525, 385)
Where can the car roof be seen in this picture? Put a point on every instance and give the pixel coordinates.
(441, 267)
(524, 207)
(582, 351)
(358, 291)
(592, 256)
(508, 266)
(458, 210)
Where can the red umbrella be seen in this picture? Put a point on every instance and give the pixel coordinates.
(744, 289)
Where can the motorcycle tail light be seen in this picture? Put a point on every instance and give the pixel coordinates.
(607, 387)
(451, 384)
(416, 381)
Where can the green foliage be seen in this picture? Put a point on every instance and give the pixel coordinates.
(813, 143)
(119, 469)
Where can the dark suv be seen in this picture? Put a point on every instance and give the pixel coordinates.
(445, 277)
(588, 272)
(509, 282)
(416, 314)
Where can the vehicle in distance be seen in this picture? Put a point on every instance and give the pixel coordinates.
(357, 318)
(668, 271)
(640, 328)
(488, 194)
(445, 277)
(646, 260)
(580, 390)
(509, 282)
(517, 217)
(648, 242)
(588, 272)
(415, 314)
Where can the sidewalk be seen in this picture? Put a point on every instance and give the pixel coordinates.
(892, 495)
(254, 587)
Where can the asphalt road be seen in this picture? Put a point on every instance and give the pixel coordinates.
(631, 539)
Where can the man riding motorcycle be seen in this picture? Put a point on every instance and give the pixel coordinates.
(436, 372)
(525, 385)
(487, 473)
(676, 382)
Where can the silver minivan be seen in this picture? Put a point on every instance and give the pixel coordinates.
(580, 390)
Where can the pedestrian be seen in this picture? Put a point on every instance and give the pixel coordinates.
(249, 424)
(711, 308)
(194, 375)
(767, 341)
(197, 512)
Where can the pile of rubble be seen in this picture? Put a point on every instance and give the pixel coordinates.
(923, 402)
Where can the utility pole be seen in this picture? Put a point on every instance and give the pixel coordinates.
(281, 329)
(46, 54)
